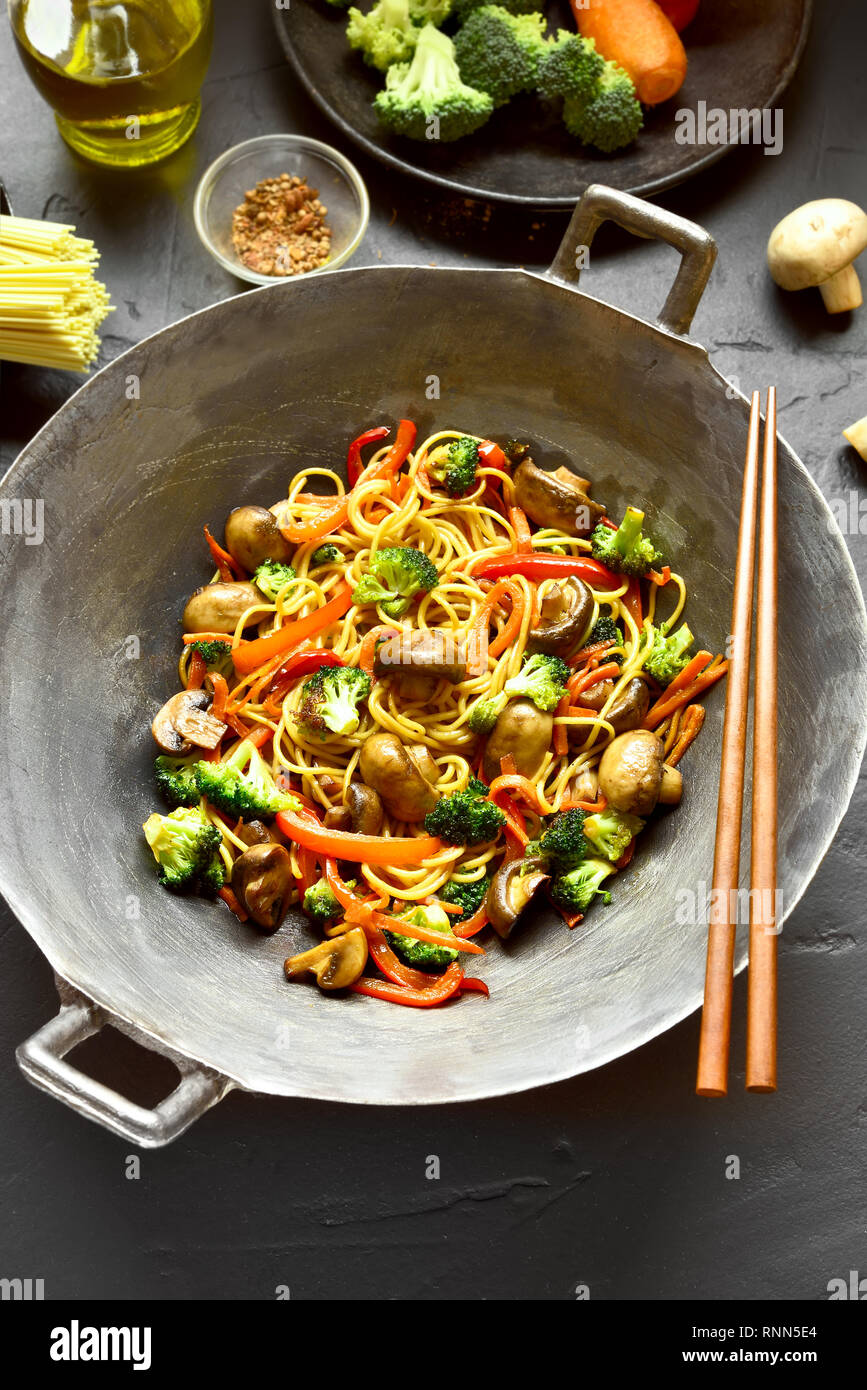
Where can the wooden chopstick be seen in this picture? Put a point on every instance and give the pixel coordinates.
(761, 1072)
(713, 1055)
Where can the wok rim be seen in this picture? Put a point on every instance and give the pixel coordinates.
(38, 928)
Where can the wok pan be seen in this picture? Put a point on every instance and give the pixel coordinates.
(221, 409)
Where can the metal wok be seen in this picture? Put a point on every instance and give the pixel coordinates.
(232, 401)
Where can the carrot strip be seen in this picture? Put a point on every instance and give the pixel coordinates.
(249, 655)
(473, 924)
(363, 912)
(221, 695)
(687, 675)
(521, 527)
(667, 706)
(367, 650)
(196, 672)
(586, 679)
(561, 734)
(479, 630)
(333, 516)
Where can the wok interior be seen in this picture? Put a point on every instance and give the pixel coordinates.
(232, 402)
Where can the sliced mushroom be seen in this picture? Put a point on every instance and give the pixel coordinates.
(217, 607)
(556, 499)
(425, 761)
(256, 832)
(365, 808)
(594, 696)
(184, 722)
(566, 613)
(512, 888)
(525, 732)
(336, 963)
(585, 785)
(253, 536)
(633, 776)
(262, 880)
(394, 771)
(430, 653)
(628, 709)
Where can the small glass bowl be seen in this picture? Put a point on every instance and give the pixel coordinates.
(222, 187)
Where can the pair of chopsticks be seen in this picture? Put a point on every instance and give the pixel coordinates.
(761, 1069)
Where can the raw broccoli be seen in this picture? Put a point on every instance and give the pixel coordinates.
(454, 465)
(423, 955)
(186, 847)
(465, 818)
(217, 656)
(669, 654)
(610, 832)
(563, 839)
(576, 890)
(612, 118)
(385, 35)
(499, 53)
(625, 550)
(176, 780)
(468, 896)
(397, 574)
(271, 577)
(425, 99)
(541, 679)
(571, 68)
(485, 713)
(331, 698)
(434, 12)
(241, 785)
(321, 904)
(324, 555)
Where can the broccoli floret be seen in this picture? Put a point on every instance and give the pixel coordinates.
(321, 904)
(500, 53)
(425, 99)
(330, 699)
(241, 785)
(563, 840)
(612, 118)
(324, 555)
(396, 575)
(541, 679)
(385, 35)
(217, 656)
(468, 896)
(465, 818)
(669, 654)
(186, 847)
(176, 780)
(485, 713)
(575, 890)
(610, 832)
(478, 787)
(454, 465)
(271, 577)
(604, 629)
(434, 12)
(423, 955)
(625, 550)
(570, 67)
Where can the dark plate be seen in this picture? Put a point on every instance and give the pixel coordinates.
(742, 54)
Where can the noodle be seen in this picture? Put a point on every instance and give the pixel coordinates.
(51, 303)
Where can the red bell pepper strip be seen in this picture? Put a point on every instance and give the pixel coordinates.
(301, 663)
(226, 564)
(470, 985)
(631, 601)
(492, 455)
(249, 656)
(353, 456)
(538, 567)
(196, 672)
(442, 988)
(393, 851)
(334, 513)
(473, 924)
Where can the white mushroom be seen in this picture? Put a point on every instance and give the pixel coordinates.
(633, 776)
(816, 245)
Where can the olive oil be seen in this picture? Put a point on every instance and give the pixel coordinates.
(122, 76)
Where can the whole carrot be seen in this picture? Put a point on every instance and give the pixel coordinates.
(638, 36)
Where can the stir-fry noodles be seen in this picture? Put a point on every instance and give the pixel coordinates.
(415, 702)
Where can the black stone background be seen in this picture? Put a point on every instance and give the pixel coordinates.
(616, 1179)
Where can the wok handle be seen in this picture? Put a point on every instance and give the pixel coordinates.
(41, 1059)
(696, 246)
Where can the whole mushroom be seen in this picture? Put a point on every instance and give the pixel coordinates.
(816, 245)
(262, 880)
(218, 607)
(525, 732)
(253, 536)
(633, 776)
(400, 777)
(565, 614)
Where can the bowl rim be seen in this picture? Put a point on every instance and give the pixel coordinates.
(215, 168)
